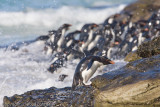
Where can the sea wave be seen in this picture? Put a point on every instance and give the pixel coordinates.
(56, 17)
(32, 23)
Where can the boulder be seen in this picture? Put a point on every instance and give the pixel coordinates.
(137, 83)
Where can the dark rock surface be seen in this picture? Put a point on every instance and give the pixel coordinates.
(142, 9)
(52, 97)
(138, 83)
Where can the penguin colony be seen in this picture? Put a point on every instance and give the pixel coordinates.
(96, 44)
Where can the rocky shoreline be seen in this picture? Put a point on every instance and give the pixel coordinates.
(136, 84)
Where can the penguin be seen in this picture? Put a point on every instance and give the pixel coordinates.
(56, 38)
(55, 65)
(70, 39)
(61, 35)
(50, 45)
(94, 42)
(87, 67)
(88, 35)
(62, 77)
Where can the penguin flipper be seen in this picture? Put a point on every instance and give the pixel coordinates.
(90, 64)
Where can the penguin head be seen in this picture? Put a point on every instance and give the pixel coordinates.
(52, 32)
(92, 26)
(102, 59)
(106, 61)
(87, 27)
(66, 26)
(77, 32)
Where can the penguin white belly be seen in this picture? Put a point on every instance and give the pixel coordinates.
(69, 43)
(69, 57)
(60, 41)
(49, 50)
(134, 48)
(56, 58)
(91, 45)
(94, 43)
(52, 38)
(87, 74)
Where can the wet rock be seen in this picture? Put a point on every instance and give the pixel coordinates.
(149, 48)
(137, 83)
(142, 9)
(52, 97)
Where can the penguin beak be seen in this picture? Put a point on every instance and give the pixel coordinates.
(95, 25)
(146, 29)
(81, 42)
(51, 66)
(111, 62)
(69, 25)
(124, 22)
(66, 26)
(116, 43)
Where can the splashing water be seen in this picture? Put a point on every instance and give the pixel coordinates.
(26, 69)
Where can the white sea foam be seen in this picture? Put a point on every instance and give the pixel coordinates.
(25, 70)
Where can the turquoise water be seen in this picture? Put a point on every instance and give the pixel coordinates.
(22, 5)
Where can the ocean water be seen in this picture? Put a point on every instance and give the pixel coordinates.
(22, 20)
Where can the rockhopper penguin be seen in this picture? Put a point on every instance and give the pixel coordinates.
(87, 67)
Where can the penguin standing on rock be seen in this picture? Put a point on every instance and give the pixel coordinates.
(87, 67)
